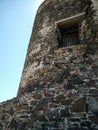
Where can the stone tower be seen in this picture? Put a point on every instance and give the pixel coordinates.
(55, 20)
(59, 83)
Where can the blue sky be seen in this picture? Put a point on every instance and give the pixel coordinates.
(16, 22)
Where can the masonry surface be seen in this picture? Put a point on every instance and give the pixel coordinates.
(58, 83)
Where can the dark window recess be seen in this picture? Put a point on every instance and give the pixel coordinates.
(68, 36)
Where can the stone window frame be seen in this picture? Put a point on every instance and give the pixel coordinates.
(76, 19)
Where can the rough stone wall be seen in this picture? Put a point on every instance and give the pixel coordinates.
(44, 39)
(95, 6)
(56, 81)
(89, 32)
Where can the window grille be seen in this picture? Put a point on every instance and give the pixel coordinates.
(70, 40)
(68, 35)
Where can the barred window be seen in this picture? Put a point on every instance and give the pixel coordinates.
(69, 35)
(68, 30)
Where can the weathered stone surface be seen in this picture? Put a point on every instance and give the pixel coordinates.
(58, 83)
(93, 105)
(78, 106)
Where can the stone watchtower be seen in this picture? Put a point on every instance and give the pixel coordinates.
(59, 82)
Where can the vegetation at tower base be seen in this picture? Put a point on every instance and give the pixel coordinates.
(59, 83)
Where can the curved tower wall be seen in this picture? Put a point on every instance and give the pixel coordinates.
(59, 82)
(44, 39)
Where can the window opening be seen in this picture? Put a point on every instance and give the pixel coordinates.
(68, 35)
